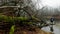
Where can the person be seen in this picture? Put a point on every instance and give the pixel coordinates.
(52, 19)
(51, 24)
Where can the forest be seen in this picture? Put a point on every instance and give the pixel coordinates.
(26, 17)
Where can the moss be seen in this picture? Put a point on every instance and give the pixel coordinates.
(12, 19)
(6, 18)
(22, 18)
(12, 29)
(29, 23)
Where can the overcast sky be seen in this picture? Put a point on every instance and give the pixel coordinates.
(52, 6)
(50, 3)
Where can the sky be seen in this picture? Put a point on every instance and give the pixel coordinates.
(50, 3)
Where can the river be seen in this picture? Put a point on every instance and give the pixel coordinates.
(56, 28)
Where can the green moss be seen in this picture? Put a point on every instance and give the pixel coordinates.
(22, 18)
(12, 29)
(6, 18)
(12, 19)
(29, 22)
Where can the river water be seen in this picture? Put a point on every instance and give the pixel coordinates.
(56, 28)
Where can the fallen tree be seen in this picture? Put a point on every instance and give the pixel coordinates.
(11, 19)
(21, 20)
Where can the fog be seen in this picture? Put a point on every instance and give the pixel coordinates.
(51, 7)
(50, 3)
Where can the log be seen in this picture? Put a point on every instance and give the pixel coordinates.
(11, 19)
